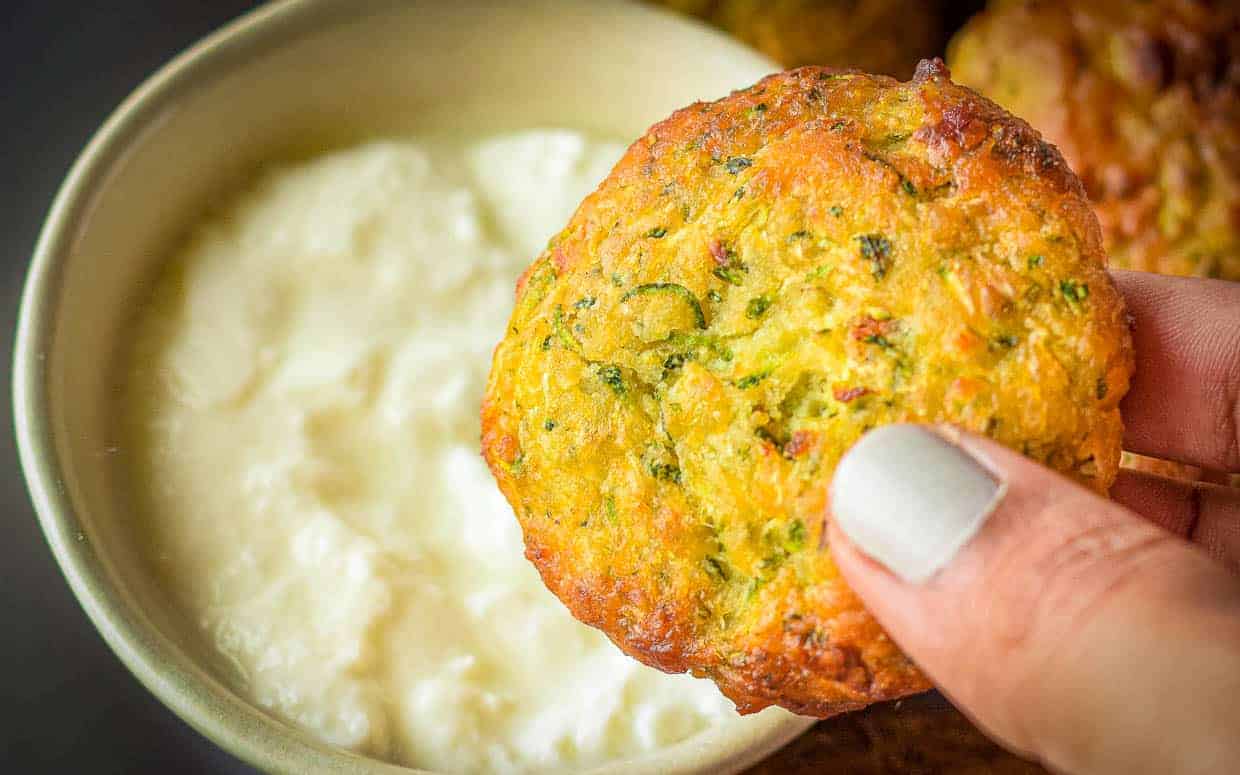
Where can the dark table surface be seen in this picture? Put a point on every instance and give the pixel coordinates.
(68, 703)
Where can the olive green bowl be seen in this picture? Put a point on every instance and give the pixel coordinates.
(288, 80)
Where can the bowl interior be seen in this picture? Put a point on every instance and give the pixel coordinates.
(290, 80)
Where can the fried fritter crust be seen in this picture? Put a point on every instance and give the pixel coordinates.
(880, 36)
(758, 282)
(1143, 98)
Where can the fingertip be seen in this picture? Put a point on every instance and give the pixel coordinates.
(1049, 604)
(910, 499)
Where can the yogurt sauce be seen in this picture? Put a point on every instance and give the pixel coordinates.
(302, 414)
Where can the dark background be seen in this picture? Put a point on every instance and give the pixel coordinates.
(68, 705)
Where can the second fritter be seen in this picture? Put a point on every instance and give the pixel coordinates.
(880, 36)
(1143, 98)
(759, 282)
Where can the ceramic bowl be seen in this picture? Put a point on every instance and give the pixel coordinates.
(289, 80)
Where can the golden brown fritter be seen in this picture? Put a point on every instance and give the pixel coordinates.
(920, 736)
(880, 36)
(1143, 99)
(758, 282)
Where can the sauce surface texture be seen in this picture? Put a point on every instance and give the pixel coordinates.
(301, 414)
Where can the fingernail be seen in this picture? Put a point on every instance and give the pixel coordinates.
(910, 499)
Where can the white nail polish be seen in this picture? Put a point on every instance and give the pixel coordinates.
(911, 500)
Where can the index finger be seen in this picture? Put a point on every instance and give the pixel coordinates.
(1184, 402)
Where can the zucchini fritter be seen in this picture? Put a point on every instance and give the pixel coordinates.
(1143, 98)
(758, 282)
(881, 36)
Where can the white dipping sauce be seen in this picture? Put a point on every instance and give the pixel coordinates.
(303, 416)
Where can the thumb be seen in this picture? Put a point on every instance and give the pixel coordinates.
(1068, 627)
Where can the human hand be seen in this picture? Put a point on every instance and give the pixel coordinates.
(1097, 636)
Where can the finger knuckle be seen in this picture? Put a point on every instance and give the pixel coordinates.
(1053, 584)
(1229, 428)
(1226, 369)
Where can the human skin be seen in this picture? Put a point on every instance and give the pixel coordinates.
(1143, 100)
(1099, 636)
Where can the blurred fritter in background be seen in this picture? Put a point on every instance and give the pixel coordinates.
(878, 36)
(1143, 99)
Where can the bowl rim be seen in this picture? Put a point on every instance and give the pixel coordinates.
(220, 714)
